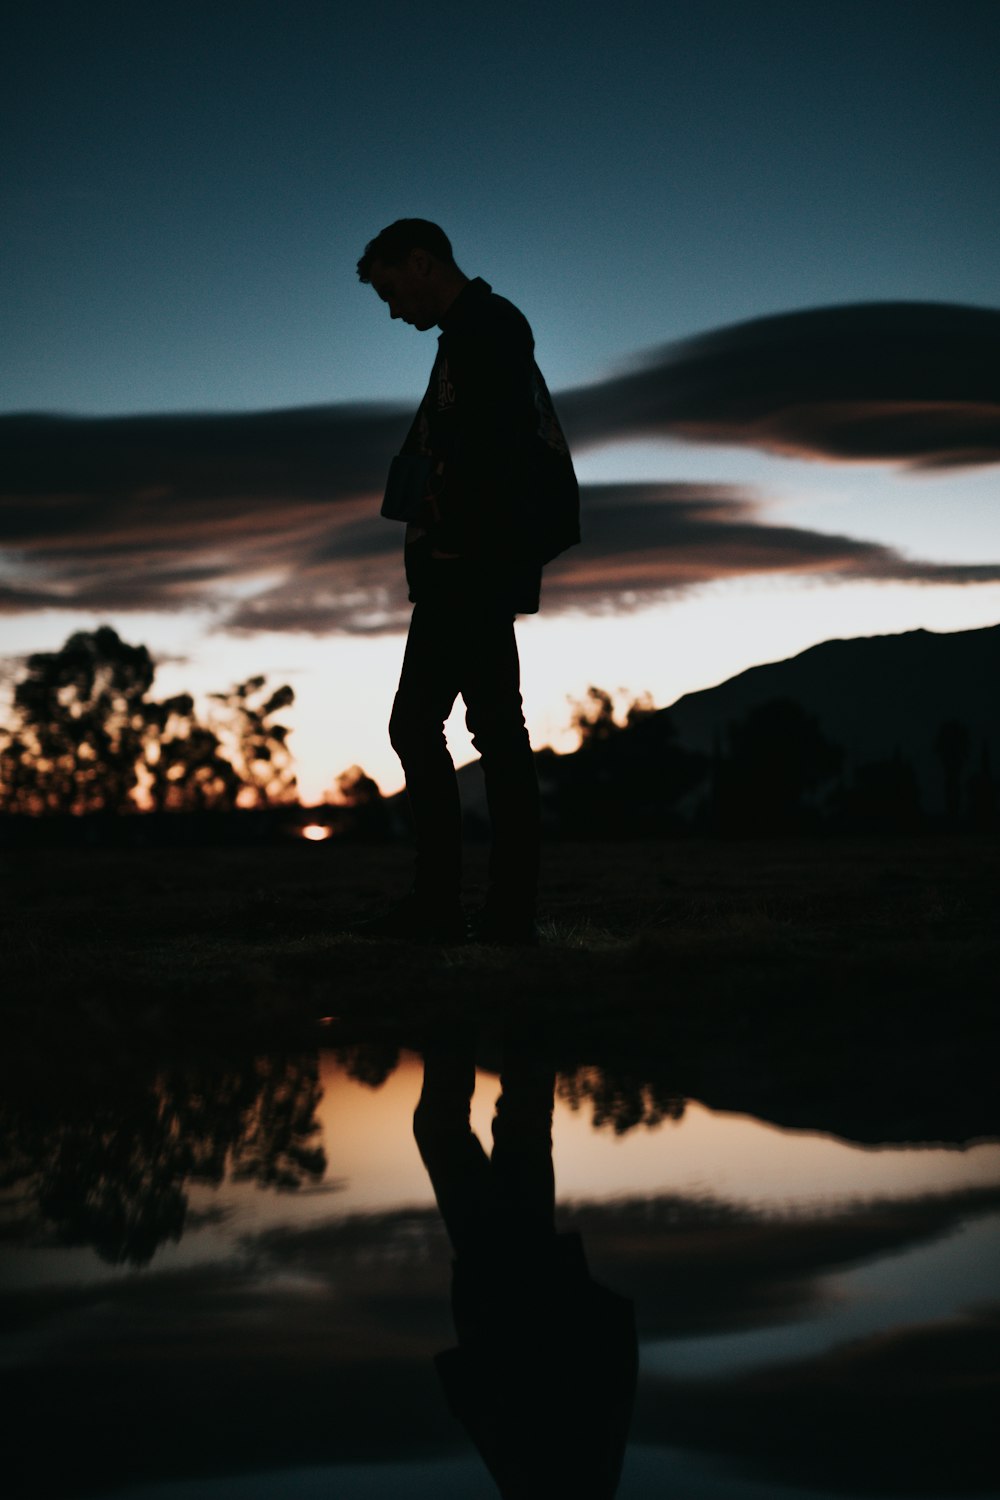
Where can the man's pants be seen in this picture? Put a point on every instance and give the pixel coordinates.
(500, 1206)
(462, 642)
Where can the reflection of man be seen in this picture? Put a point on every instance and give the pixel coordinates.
(496, 499)
(543, 1377)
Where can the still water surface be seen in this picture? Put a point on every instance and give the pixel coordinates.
(233, 1280)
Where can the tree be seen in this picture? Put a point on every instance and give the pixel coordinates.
(594, 718)
(594, 722)
(360, 794)
(952, 746)
(626, 778)
(260, 750)
(79, 732)
(87, 738)
(983, 793)
(188, 772)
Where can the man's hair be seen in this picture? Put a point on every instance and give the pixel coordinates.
(393, 244)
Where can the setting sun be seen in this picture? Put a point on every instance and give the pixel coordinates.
(316, 832)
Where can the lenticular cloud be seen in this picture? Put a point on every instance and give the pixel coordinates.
(183, 511)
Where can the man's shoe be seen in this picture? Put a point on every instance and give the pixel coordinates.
(509, 929)
(414, 920)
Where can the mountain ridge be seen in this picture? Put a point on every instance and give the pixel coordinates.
(877, 696)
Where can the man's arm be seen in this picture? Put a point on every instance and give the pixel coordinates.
(487, 435)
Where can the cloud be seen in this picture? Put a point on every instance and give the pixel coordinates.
(907, 382)
(269, 520)
(341, 570)
(314, 453)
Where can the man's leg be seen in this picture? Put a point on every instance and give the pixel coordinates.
(490, 684)
(428, 687)
(456, 1163)
(522, 1142)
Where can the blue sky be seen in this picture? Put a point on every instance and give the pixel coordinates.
(186, 189)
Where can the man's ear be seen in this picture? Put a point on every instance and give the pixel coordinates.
(420, 261)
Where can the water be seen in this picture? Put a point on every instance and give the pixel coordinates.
(230, 1279)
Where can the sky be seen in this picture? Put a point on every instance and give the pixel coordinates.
(756, 243)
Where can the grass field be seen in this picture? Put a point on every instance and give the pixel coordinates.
(261, 937)
(651, 918)
(846, 986)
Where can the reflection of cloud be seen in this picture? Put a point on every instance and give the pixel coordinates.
(709, 1267)
(911, 1411)
(170, 512)
(914, 383)
(313, 1345)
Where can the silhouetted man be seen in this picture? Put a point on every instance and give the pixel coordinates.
(489, 496)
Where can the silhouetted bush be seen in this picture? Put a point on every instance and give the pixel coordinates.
(882, 796)
(625, 780)
(773, 775)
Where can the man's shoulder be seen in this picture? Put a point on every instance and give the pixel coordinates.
(487, 313)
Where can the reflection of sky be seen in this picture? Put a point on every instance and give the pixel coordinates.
(373, 1167)
(390, 1481)
(647, 1472)
(251, 1294)
(695, 1476)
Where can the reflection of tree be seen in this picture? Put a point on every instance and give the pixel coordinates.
(371, 1062)
(87, 738)
(112, 1171)
(619, 1099)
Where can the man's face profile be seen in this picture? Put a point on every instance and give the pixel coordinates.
(406, 288)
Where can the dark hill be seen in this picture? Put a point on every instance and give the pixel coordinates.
(875, 696)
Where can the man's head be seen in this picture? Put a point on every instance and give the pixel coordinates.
(411, 266)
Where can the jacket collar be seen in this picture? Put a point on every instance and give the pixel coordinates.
(472, 293)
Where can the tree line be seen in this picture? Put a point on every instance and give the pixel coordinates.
(773, 771)
(87, 736)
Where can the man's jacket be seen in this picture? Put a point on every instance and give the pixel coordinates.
(503, 495)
